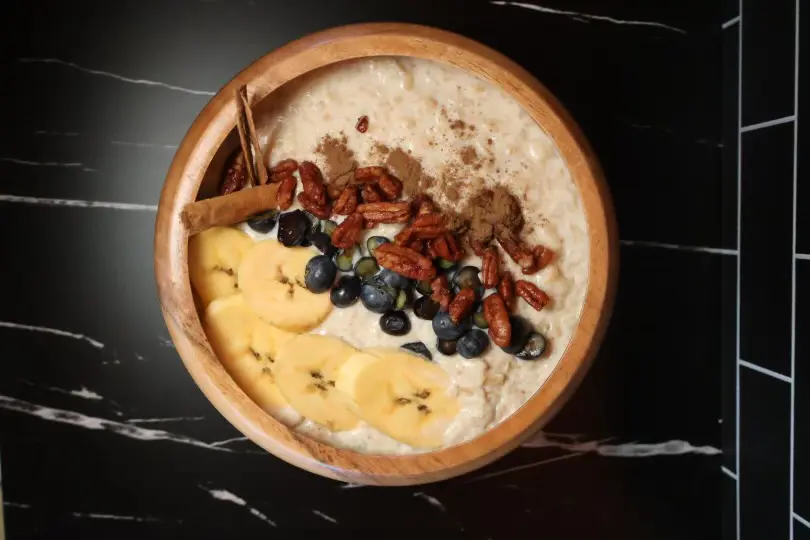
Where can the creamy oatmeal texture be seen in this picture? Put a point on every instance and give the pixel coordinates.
(417, 105)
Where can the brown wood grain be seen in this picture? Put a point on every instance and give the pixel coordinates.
(202, 146)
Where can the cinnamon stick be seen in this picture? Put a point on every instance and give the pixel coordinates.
(228, 209)
(245, 140)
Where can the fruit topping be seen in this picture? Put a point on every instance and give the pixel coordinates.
(445, 328)
(417, 347)
(263, 223)
(293, 228)
(395, 323)
(377, 296)
(320, 273)
(425, 308)
(346, 292)
(534, 348)
(472, 344)
(447, 347)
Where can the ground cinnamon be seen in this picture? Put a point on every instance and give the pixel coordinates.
(228, 209)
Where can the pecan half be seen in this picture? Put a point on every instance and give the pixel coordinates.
(478, 247)
(312, 182)
(490, 271)
(386, 212)
(371, 194)
(404, 237)
(417, 245)
(390, 186)
(427, 220)
(405, 261)
(285, 165)
(533, 295)
(542, 256)
(235, 175)
(323, 211)
(500, 329)
(446, 247)
(286, 192)
(515, 248)
(441, 292)
(424, 205)
(346, 203)
(461, 304)
(506, 288)
(362, 173)
(362, 124)
(432, 231)
(348, 233)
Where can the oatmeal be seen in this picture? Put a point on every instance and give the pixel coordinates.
(493, 174)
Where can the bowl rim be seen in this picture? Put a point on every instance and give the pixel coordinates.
(209, 131)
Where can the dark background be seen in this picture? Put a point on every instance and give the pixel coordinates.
(98, 95)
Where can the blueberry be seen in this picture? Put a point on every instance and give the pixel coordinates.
(263, 222)
(472, 344)
(374, 242)
(534, 348)
(478, 317)
(404, 298)
(377, 297)
(345, 260)
(447, 346)
(319, 274)
(328, 226)
(425, 308)
(521, 330)
(314, 227)
(419, 348)
(293, 228)
(395, 323)
(424, 287)
(366, 267)
(466, 278)
(392, 279)
(323, 243)
(447, 329)
(346, 292)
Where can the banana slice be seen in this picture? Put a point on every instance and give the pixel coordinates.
(271, 277)
(247, 347)
(214, 256)
(400, 394)
(306, 368)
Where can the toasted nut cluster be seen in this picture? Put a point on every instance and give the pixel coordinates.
(490, 272)
(532, 294)
(348, 233)
(500, 329)
(405, 261)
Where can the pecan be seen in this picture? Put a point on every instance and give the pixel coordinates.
(490, 272)
(323, 211)
(348, 233)
(427, 220)
(433, 231)
(404, 261)
(500, 329)
(533, 295)
(506, 288)
(446, 247)
(235, 174)
(515, 248)
(385, 212)
(346, 203)
(312, 182)
(404, 237)
(362, 124)
(424, 205)
(461, 304)
(286, 192)
(417, 245)
(371, 194)
(542, 256)
(441, 292)
(390, 186)
(363, 173)
(285, 165)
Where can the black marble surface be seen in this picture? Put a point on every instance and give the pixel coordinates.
(104, 435)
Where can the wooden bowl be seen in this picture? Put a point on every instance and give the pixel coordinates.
(201, 156)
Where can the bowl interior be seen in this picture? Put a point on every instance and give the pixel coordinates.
(195, 173)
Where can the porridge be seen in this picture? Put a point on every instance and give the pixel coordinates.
(426, 279)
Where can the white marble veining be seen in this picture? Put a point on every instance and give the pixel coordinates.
(82, 392)
(78, 203)
(662, 245)
(224, 495)
(167, 419)
(65, 165)
(55, 331)
(144, 145)
(102, 424)
(633, 449)
(432, 500)
(93, 515)
(229, 441)
(524, 467)
(324, 516)
(586, 17)
(122, 78)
